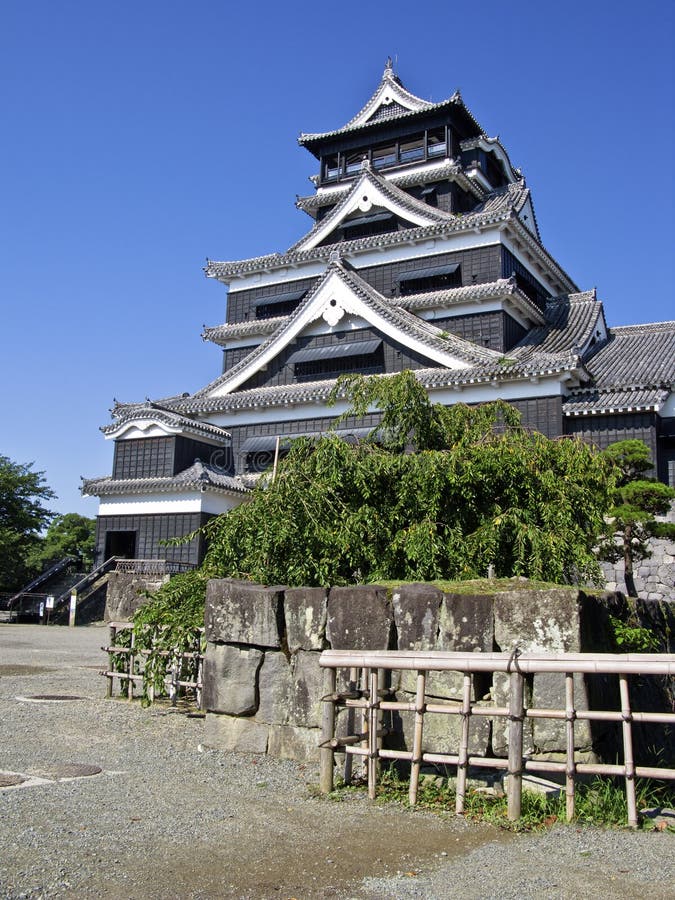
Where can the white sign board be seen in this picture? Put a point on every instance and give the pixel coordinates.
(50, 602)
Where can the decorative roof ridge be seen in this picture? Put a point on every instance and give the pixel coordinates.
(390, 89)
(151, 410)
(465, 222)
(429, 335)
(502, 369)
(431, 172)
(391, 192)
(199, 475)
(620, 386)
(465, 349)
(473, 142)
(250, 327)
(644, 328)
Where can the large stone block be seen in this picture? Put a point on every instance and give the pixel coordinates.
(274, 689)
(232, 733)
(305, 610)
(359, 618)
(230, 679)
(239, 612)
(466, 623)
(307, 681)
(538, 621)
(442, 731)
(290, 742)
(416, 613)
(127, 592)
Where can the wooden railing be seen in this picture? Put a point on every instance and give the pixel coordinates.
(365, 696)
(126, 663)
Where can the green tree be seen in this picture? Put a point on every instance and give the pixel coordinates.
(478, 491)
(22, 517)
(67, 535)
(636, 501)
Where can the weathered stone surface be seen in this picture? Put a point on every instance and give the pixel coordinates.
(550, 735)
(307, 680)
(239, 612)
(232, 733)
(274, 688)
(466, 623)
(442, 732)
(230, 679)
(291, 742)
(533, 621)
(359, 618)
(500, 725)
(305, 610)
(126, 593)
(416, 613)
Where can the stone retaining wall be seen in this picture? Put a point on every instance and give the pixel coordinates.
(263, 684)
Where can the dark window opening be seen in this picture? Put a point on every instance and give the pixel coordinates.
(330, 168)
(364, 226)
(436, 142)
(384, 156)
(120, 543)
(430, 279)
(278, 305)
(330, 366)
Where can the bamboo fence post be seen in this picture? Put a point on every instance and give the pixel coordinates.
(112, 631)
(570, 716)
(130, 666)
(349, 757)
(418, 734)
(200, 673)
(327, 728)
(463, 761)
(373, 713)
(364, 676)
(628, 760)
(515, 769)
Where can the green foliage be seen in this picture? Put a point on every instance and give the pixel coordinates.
(170, 622)
(67, 535)
(633, 638)
(601, 803)
(479, 491)
(22, 517)
(635, 501)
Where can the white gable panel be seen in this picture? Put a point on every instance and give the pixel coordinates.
(332, 302)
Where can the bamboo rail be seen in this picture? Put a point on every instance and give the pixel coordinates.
(366, 696)
(175, 684)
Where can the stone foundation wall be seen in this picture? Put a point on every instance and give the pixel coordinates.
(125, 592)
(263, 684)
(654, 577)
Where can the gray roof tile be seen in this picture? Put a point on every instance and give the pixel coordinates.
(199, 476)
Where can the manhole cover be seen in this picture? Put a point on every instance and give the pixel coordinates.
(70, 770)
(10, 780)
(54, 697)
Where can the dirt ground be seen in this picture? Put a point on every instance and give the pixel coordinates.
(165, 818)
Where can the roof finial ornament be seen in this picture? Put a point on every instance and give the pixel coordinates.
(388, 67)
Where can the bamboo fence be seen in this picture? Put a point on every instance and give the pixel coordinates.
(126, 664)
(366, 699)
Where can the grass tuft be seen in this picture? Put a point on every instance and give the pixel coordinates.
(601, 803)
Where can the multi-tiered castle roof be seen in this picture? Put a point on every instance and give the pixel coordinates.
(423, 253)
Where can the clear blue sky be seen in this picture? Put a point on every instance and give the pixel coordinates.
(140, 137)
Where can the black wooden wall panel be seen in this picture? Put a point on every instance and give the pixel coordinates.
(150, 530)
(144, 457)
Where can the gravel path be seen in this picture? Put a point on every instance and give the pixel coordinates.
(164, 820)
